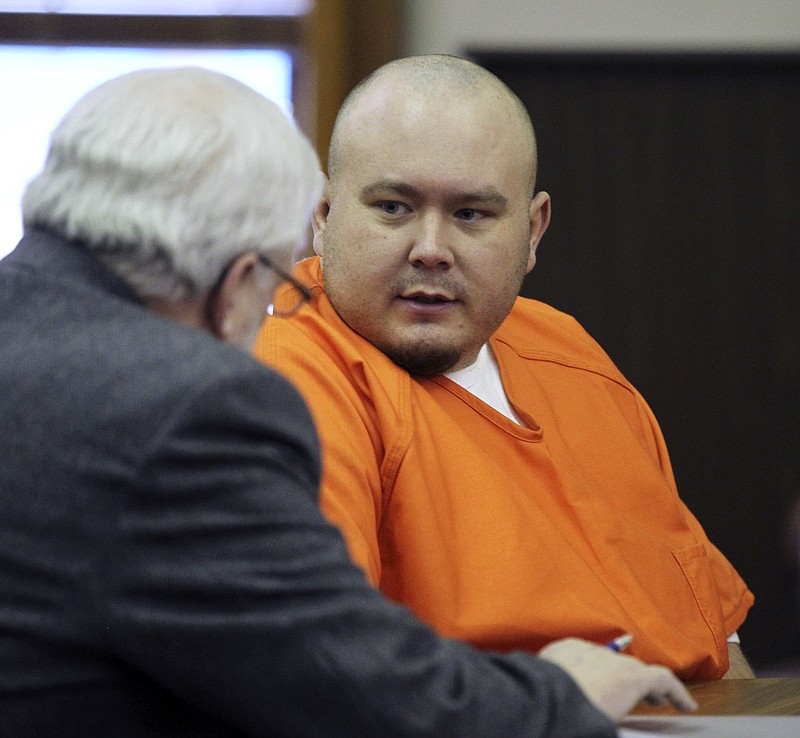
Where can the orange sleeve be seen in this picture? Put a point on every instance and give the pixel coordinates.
(351, 447)
(735, 599)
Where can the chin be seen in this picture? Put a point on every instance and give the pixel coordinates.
(423, 360)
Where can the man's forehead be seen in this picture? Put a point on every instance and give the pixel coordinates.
(430, 125)
(445, 165)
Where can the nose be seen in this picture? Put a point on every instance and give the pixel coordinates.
(431, 246)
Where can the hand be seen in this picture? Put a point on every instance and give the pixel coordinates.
(615, 682)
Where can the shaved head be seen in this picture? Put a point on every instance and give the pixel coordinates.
(418, 79)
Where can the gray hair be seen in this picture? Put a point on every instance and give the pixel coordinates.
(168, 174)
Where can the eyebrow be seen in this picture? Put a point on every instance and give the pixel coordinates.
(388, 185)
(486, 195)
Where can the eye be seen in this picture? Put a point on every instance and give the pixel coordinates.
(392, 207)
(469, 214)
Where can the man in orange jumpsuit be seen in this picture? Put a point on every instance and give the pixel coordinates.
(488, 464)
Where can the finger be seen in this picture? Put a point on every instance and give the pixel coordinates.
(683, 700)
(669, 688)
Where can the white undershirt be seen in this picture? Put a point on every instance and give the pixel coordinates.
(482, 379)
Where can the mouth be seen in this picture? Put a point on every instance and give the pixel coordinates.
(427, 298)
(427, 305)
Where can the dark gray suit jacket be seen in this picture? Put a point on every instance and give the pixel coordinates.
(164, 568)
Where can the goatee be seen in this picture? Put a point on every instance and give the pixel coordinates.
(423, 361)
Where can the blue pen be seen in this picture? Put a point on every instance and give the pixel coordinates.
(620, 643)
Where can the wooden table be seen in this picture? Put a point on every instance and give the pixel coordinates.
(740, 697)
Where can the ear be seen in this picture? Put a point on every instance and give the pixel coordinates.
(319, 220)
(539, 220)
(236, 300)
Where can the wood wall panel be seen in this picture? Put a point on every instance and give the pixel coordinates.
(347, 39)
(676, 241)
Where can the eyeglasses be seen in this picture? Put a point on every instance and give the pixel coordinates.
(292, 297)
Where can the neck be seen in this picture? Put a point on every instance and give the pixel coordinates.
(192, 312)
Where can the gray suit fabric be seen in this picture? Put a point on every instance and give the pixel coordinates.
(164, 567)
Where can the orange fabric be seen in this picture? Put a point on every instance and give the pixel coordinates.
(504, 536)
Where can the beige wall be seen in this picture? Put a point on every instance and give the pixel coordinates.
(451, 26)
